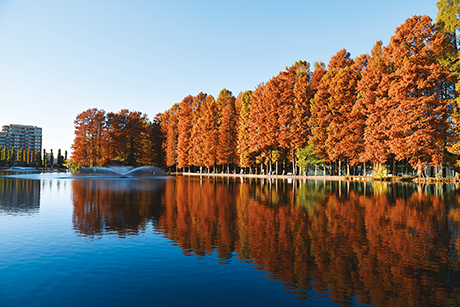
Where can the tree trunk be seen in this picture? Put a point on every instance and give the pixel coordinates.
(293, 163)
(419, 169)
(270, 162)
(340, 168)
(364, 169)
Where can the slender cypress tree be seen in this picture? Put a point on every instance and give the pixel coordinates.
(45, 158)
(51, 158)
(59, 158)
(38, 158)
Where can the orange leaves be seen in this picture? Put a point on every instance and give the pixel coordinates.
(226, 147)
(337, 127)
(418, 114)
(89, 143)
(390, 104)
(184, 129)
(124, 137)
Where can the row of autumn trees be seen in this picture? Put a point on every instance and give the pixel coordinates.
(126, 137)
(29, 157)
(398, 104)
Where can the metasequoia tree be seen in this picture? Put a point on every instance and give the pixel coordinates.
(243, 142)
(319, 111)
(184, 130)
(448, 21)
(226, 142)
(264, 125)
(337, 126)
(169, 128)
(196, 137)
(126, 133)
(418, 113)
(372, 102)
(449, 16)
(89, 143)
(294, 107)
(126, 137)
(155, 143)
(210, 129)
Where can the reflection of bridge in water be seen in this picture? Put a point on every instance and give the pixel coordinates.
(19, 196)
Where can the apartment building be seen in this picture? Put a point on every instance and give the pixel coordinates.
(21, 136)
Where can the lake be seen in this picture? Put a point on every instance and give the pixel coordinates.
(226, 242)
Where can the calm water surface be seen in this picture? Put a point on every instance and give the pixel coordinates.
(226, 242)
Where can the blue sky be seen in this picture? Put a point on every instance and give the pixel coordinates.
(59, 58)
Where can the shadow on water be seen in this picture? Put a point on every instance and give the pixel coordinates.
(372, 243)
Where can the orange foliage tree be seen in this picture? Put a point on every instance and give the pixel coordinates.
(418, 118)
(126, 137)
(243, 142)
(184, 130)
(391, 104)
(337, 125)
(226, 141)
(197, 137)
(90, 142)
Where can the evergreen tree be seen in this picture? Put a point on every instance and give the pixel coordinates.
(59, 158)
(38, 158)
(3, 157)
(51, 158)
(19, 155)
(45, 159)
(308, 157)
(29, 157)
(11, 159)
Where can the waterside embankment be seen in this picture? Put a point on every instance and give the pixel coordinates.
(328, 178)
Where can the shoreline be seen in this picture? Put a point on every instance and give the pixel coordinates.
(327, 178)
(306, 177)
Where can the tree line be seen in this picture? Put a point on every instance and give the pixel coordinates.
(396, 105)
(29, 157)
(126, 137)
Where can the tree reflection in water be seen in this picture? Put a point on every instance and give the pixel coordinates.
(377, 243)
(19, 197)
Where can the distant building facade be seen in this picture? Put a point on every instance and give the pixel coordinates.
(21, 136)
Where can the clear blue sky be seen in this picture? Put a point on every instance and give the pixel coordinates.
(59, 58)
